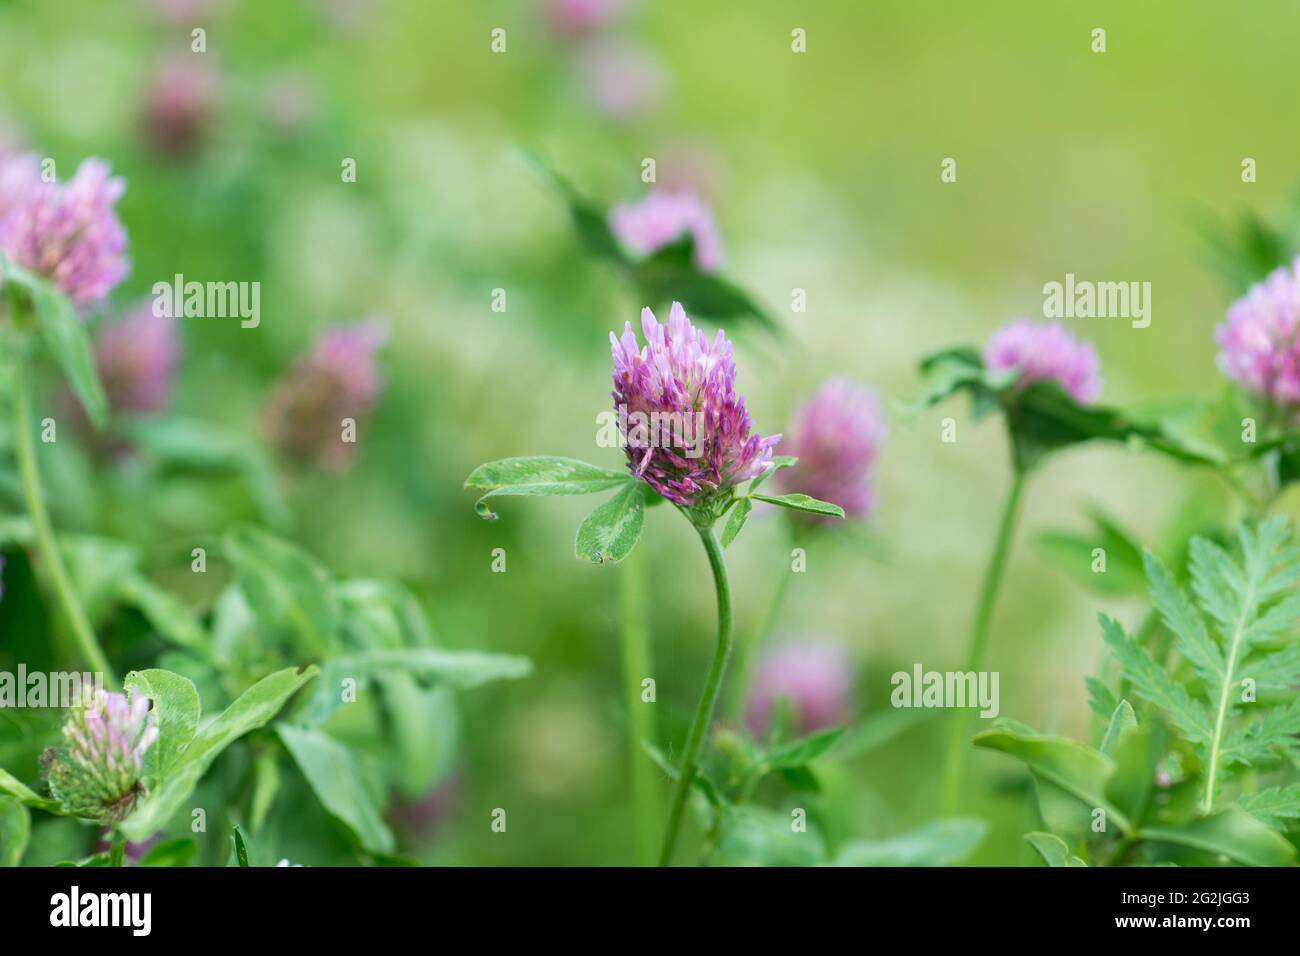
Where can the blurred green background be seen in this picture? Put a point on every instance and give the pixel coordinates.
(823, 169)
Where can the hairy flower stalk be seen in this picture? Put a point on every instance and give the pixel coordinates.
(1040, 352)
(98, 772)
(708, 699)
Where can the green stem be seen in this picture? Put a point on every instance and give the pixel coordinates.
(45, 543)
(748, 651)
(712, 684)
(993, 575)
(1221, 713)
(640, 715)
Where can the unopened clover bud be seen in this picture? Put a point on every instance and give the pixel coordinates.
(97, 773)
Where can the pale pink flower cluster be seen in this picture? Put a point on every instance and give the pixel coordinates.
(66, 232)
(1046, 351)
(1260, 340)
(662, 218)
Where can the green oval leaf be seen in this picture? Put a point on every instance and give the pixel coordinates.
(458, 669)
(1071, 766)
(1053, 849)
(736, 520)
(778, 462)
(253, 708)
(337, 781)
(286, 588)
(170, 618)
(937, 843)
(66, 337)
(796, 753)
(801, 502)
(175, 708)
(539, 475)
(15, 829)
(611, 531)
(1231, 832)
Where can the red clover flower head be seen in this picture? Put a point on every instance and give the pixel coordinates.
(69, 232)
(180, 105)
(97, 773)
(137, 357)
(662, 218)
(687, 432)
(338, 379)
(1260, 341)
(837, 436)
(814, 676)
(1046, 351)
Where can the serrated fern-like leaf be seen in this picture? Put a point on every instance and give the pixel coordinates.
(1100, 699)
(1266, 737)
(1176, 609)
(1154, 685)
(1279, 670)
(1267, 569)
(1274, 805)
(1246, 605)
(1213, 581)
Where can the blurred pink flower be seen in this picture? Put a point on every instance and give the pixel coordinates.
(623, 80)
(338, 379)
(69, 232)
(180, 104)
(570, 17)
(137, 357)
(664, 217)
(1260, 341)
(813, 675)
(836, 436)
(1046, 351)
